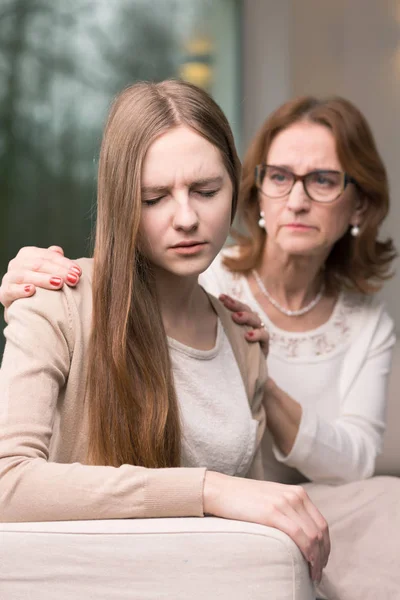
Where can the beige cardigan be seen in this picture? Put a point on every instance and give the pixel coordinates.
(43, 425)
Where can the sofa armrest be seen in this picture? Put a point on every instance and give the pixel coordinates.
(388, 463)
(150, 558)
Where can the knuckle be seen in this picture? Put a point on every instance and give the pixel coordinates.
(26, 250)
(37, 265)
(19, 278)
(314, 539)
(301, 493)
(294, 497)
(297, 530)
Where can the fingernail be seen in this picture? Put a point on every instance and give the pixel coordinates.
(27, 289)
(250, 333)
(56, 281)
(72, 278)
(76, 270)
(239, 314)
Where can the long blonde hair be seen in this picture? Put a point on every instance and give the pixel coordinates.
(132, 405)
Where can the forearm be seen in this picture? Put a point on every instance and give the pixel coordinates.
(334, 452)
(37, 490)
(331, 452)
(283, 417)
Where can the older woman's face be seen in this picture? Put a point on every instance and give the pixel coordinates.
(295, 224)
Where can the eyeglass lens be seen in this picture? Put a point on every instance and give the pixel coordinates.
(322, 186)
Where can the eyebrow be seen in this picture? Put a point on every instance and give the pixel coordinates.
(197, 183)
(315, 169)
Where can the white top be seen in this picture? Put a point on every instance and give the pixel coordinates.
(219, 432)
(338, 372)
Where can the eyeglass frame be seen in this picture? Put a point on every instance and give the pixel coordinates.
(346, 180)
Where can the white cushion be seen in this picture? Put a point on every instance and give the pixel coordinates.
(193, 559)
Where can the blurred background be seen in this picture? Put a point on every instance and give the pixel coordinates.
(61, 63)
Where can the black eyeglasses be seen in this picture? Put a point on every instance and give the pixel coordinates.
(319, 185)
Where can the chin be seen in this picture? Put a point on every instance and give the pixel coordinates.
(300, 248)
(188, 267)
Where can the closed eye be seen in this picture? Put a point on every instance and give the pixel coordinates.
(206, 193)
(152, 201)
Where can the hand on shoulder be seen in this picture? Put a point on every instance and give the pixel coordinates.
(33, 267)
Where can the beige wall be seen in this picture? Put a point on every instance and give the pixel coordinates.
(346, 47)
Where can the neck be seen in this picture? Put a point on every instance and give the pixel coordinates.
(181, 300)
(292, 280)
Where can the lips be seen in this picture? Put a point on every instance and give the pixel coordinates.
(188, 244)
(299, 226)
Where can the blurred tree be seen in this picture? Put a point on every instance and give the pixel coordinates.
(60, 65)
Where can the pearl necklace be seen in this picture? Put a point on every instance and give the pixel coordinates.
(282, 309)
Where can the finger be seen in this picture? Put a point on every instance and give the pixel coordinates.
(38, 272)
(292, 528)
(56, 249)
(14, 291)
(294, 510)
(322, 525)
(261, 336)
(44, 260)
(246, 317)
(307, 509)
(317, 555)
(233, 304)
(49, 282)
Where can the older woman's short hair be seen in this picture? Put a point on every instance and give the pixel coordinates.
(359, 263)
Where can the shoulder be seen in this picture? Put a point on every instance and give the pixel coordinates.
(218, 279)
(49, 310)
(375, 326)
(249, 357)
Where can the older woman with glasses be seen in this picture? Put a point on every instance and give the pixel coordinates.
(314, 193)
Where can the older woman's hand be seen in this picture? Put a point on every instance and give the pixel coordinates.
(41, 267)
(243, 315)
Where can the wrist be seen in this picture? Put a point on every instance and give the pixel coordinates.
(212, 491)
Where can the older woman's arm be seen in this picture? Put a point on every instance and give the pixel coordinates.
(344, 449)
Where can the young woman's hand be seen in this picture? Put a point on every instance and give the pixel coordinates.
(41, 267)
(285, 507)
(243, 315)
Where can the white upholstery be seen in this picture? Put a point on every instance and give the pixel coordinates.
(191, 559)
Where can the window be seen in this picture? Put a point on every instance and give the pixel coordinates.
(60, 65)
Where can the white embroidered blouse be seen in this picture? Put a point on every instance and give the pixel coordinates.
(338, 372)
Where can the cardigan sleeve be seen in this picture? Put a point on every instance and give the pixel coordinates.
(346, 449)
(35, 370)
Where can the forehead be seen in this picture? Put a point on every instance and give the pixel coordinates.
(304, 146)
(180, 154)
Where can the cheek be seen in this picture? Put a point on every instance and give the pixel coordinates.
(336, 223)
(147, 235)
(272, 215)
(224, 220)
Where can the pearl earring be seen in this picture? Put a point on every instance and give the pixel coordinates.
(261, 220)
(355, 231)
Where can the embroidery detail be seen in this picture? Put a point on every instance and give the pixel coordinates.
(331, 337)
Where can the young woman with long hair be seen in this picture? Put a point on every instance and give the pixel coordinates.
(134, 394)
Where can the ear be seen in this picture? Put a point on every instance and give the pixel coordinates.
(359, 210)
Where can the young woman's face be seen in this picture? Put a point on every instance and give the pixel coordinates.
(295, 224)
(186, 203)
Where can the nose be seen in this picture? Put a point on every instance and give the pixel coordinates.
(298, 201)
(185, 217)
